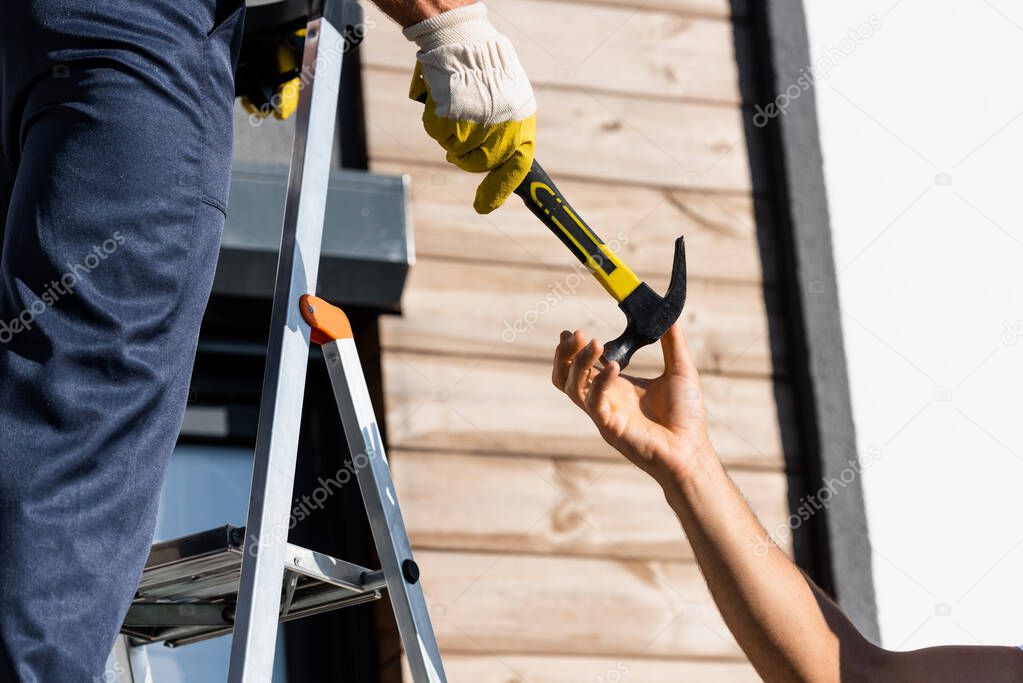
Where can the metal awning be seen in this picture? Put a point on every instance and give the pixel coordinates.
(367, 239)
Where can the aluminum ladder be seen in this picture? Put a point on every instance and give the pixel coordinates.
(245, 580)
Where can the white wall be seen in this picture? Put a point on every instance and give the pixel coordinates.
(922, 134)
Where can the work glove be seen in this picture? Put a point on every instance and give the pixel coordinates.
(479, 103)
(276, 88)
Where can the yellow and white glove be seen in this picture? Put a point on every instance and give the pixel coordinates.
(479, 103)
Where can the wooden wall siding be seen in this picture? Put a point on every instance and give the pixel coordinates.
(476, 404)
(546, 557)
(551, 505)
(498, 310)
(738, 9)
(554, 669)
(519, 603)
(720, 230)
(588, 135)
(608, 49)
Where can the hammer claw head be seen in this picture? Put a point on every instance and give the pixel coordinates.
(621, 348)
(649, 315)
(676, 294)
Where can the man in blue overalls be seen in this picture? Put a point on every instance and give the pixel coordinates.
(114, 175)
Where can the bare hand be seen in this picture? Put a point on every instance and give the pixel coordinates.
(659, 424)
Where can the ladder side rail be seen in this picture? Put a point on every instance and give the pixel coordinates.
(259, 595)
(390, 537)
(127, 663)
(139, 661)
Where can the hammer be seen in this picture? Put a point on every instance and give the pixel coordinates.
(647, 314)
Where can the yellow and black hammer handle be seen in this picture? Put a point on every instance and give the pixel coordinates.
(542, 197)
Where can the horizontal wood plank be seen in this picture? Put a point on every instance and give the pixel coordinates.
(737, 9)
(682, 56)
(510, 311)
(721, 231)
(588, 135)
(547, 505)
(478, 404)
(513, 668)
(495, 603)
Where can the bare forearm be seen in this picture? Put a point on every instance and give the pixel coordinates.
(784, 624)
(787, 627)
(408, 12)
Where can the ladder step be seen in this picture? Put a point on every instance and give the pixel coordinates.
(189, 587)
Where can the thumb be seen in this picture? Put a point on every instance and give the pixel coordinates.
(417, 88)
(501, 182)
(677, 360)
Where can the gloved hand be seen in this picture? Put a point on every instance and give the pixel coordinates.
(479, 103)
(276, 92)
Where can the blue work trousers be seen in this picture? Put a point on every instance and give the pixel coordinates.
(116, 156)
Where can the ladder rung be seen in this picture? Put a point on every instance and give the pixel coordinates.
(331, 570)
(189, 587)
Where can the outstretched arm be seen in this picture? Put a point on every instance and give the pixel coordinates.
(789, 629)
